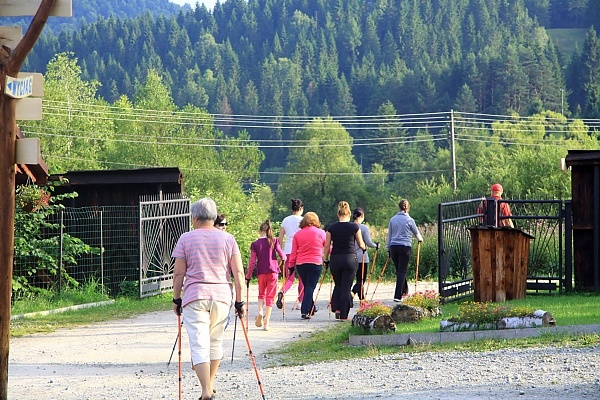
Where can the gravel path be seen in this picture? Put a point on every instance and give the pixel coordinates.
(128, 360)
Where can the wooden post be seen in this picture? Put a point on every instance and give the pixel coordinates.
(10, 64)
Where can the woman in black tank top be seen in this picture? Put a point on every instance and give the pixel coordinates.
(340, 238)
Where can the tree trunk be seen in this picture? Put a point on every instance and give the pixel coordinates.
(10, 64)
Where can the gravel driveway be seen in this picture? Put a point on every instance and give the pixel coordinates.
(127, 359)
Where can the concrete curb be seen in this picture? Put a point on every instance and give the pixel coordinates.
(448, 337)
(61, 310)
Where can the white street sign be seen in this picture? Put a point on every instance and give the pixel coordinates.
(29, 109)
(10, 36)
(17, 8)
(19, 88)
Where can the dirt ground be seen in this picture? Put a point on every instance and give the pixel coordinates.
(127, 359)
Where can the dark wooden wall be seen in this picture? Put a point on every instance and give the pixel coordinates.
(585, 183)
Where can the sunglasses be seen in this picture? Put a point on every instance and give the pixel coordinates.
(222, 223)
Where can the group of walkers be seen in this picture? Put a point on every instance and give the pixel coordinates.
(207, 258)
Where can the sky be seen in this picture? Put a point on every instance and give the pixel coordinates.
(208, 3)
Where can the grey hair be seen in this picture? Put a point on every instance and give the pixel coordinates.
(204, 209)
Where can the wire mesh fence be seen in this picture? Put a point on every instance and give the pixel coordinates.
(113, 234)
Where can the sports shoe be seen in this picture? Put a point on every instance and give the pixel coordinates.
(279, 302)
(315, 309)
(337, 314)
(305, 316)
(258, 321)
(398, 300)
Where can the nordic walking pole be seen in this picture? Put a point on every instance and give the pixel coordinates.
(252, 358)
(318, 290)
(362, 280)
(417, 266)
(233, 343)
(173, 351)
(174, 345)
(247, 300)
(299, 295)
(380, 277)
(180, 375)
(372, 270)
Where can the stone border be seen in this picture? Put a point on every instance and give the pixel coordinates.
(449, 337)
(61, 310)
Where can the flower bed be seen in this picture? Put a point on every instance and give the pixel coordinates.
(417, 306)
(374, 315)
(486, 316)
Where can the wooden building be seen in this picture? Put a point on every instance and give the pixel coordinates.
(585, 186)
(118, 187)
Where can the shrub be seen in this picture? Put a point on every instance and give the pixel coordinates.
(429, 300)
(34, 248)
(373, 309)
(488, 312)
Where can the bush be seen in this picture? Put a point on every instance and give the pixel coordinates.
(373, 309)
(37, 251)
(429, 300)
(488, 312)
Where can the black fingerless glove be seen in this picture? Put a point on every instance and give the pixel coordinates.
(326, 263)
(376, 245)
(178, 302)
(239, 307)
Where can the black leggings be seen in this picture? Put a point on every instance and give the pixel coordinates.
(361, 276)
(343, 271)
(400, 256)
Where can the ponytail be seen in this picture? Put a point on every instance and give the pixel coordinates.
(268, 230)
(357, 213)
(343, 209)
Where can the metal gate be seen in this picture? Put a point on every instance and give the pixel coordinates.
(541, 218)
(163, 218)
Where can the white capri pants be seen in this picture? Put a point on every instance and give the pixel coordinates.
(204, 321)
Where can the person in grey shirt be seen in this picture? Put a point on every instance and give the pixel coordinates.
(359, 216)
(399, 245)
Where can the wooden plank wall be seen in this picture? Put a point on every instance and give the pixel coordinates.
(500, 259)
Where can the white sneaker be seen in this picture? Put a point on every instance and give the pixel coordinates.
(398, 300)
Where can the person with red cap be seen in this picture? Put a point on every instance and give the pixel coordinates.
(488, 208)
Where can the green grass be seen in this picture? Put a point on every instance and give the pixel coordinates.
(567, 309)
(123, 307)
(48, 300)
(567, 39)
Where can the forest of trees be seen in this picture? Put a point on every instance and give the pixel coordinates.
(327, 100)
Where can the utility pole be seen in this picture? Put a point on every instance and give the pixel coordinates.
(11, 61)
(453, 150)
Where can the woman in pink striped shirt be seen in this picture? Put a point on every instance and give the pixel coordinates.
(205, 260)
(307, 257)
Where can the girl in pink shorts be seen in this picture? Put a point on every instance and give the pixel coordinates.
(263, 256)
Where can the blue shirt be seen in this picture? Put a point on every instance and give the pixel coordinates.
(366, 235)
(399, 230)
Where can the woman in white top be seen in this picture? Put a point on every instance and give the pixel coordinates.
(289, 226)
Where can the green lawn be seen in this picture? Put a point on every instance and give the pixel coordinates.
(567, 309)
